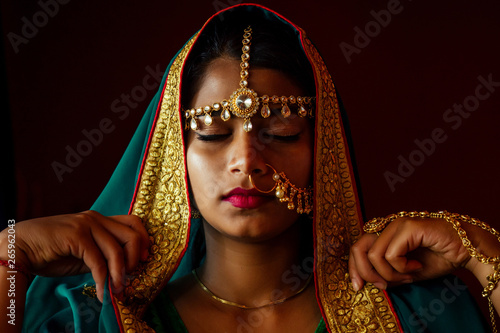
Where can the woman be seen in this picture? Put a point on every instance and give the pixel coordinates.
(216, 250)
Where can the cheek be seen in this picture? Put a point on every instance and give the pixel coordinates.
(202, 176)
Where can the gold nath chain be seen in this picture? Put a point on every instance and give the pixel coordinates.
(247, 307)
(377, 225)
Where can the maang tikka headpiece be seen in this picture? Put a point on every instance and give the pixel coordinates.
(244, 102)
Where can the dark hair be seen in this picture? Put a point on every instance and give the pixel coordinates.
(275, 45)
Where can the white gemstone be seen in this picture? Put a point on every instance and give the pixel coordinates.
(247, 125)
(225, 115)
(194, 124)
(244, 101)
(208, 119)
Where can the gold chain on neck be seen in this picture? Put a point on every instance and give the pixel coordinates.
(247, 307)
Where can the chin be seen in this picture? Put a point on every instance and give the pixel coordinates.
(251, 229)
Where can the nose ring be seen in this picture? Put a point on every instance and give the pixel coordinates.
(275, 184)
(285, 191)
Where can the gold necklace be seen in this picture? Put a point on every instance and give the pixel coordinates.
(242, 306)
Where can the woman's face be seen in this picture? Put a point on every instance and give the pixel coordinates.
(221, 156)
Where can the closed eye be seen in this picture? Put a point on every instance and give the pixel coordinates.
(211, 137)
(283, 138)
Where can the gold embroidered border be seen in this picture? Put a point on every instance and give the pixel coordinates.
(162, 204)
(337, 222)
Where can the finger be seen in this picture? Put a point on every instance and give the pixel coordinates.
(136, 224)
(133, 244)
(363, 268)
(95, 261)
(113, 253)
(378, 252)
(398, 251)
(356, 280)
(129, 233)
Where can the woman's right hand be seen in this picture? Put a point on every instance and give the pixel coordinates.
(79, 243)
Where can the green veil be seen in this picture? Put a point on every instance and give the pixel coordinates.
(151, 182)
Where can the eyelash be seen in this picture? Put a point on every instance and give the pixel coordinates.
(211, 137)
(283, 138)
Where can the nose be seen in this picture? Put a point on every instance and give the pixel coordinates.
(246, 154)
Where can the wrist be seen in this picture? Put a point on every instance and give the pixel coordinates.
(13, 268)
(479, 270)
(11, 255)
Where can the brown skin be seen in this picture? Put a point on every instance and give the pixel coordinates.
(249, 248)
(249, 251)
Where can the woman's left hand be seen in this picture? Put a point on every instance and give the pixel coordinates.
(408, 249)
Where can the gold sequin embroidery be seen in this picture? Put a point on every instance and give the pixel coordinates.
(337, 222)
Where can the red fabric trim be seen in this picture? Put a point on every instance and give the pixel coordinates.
(315, 239)
(115, 307)
(393, 310)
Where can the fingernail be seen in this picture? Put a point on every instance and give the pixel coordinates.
(380, 285)
(407, 281)
(99, 292)
(355, 284)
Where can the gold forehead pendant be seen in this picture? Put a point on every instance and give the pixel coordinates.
(244, 102)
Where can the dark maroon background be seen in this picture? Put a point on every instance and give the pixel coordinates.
(396, 90)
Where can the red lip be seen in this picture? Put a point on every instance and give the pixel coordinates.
(246, 199)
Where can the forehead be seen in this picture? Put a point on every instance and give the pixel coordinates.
(222, 77)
